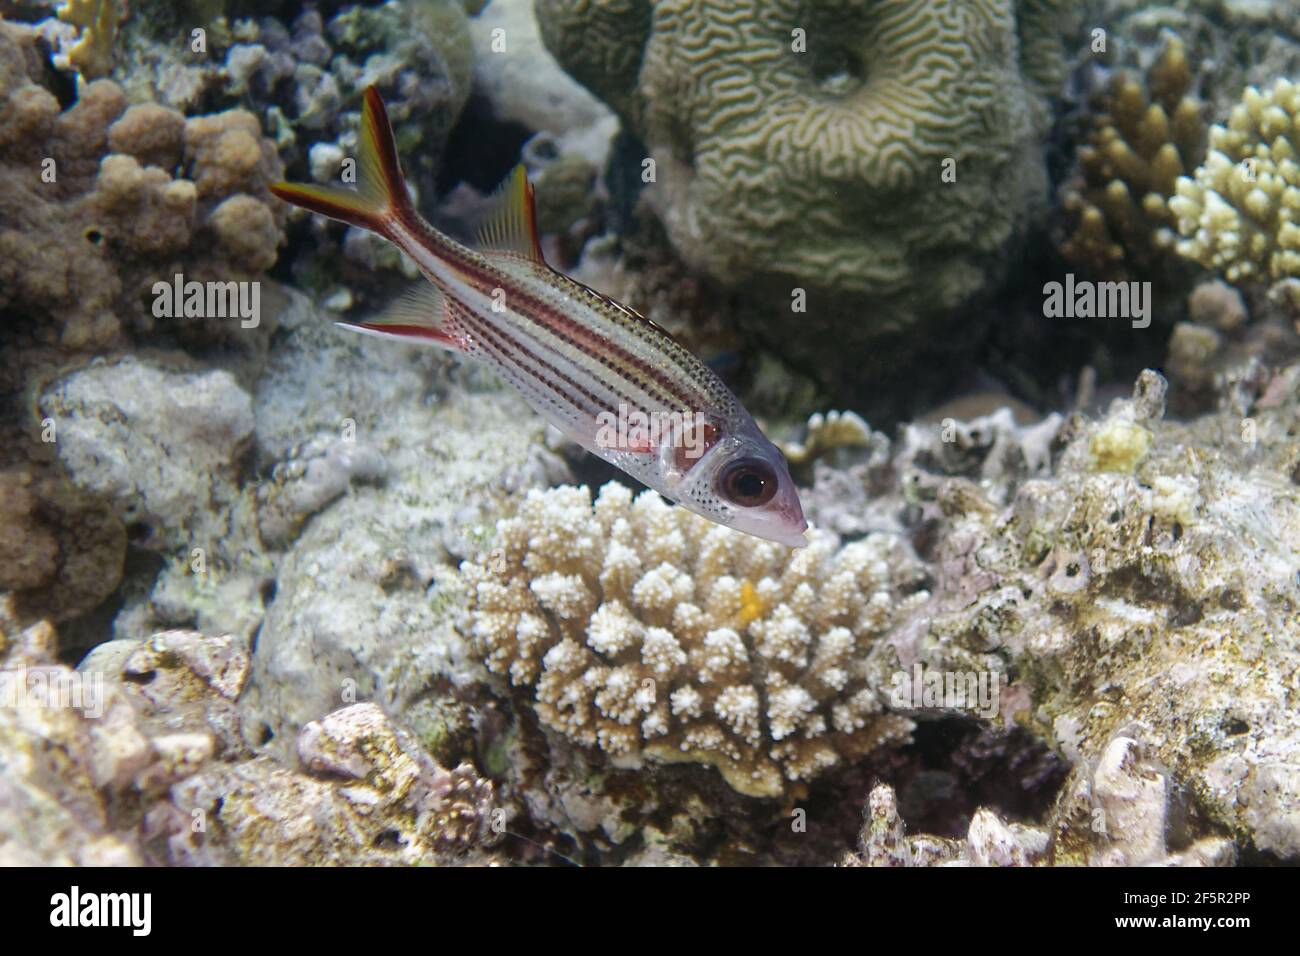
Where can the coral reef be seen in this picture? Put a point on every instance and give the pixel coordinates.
(821, 148)
(101, 201)
(1142, 136)
(648, 633)
(306, 76)
(1139, 591)
(137, 758)
(338, 601)
(362, 583)
(1239, 214)
(1114, 814)
(394, 805)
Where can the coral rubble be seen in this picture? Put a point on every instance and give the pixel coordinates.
(136, 757)
(1140, 590)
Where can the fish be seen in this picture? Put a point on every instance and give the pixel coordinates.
(605, 376)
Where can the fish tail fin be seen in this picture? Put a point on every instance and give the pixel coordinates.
(380, 197)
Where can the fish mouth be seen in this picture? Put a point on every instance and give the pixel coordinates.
(783, 527)
(793, 539)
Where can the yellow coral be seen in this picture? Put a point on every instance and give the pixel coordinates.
(98, 21)
(1240, 213)
(647, 632)
(1118, 446)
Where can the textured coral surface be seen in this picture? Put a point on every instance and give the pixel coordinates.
(101, 200)
(643, 630)
(1240, 212)
(805, 145)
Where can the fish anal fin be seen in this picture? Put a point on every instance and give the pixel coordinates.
(419, 313)
(511, 226)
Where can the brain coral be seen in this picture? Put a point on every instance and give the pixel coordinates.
(647, 632)
(802, 145)
(1240, 213)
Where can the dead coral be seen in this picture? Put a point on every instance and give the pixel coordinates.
(1141, 589)
(137, 756)
(1116, 813)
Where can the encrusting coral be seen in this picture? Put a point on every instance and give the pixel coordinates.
(647, 632)
(1239, 213)
(805, 145)
(101, 200)
(1142, 136)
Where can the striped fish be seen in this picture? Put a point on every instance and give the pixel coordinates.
(605, 376)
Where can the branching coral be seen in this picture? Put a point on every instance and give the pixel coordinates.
(1142, 138)
(826, 433)
(805, 145)
(1240, 212)
(645, 631)
(98, 21)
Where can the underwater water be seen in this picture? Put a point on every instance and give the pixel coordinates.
(688, 432)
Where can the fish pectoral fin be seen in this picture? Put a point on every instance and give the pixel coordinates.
(418, 314)
(511, 226)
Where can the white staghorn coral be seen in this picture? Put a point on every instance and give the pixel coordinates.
(647, 632)
(1241, 212)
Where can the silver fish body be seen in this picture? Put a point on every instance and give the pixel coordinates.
(606, 377)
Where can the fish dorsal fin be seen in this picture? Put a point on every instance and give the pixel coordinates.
(512, 225)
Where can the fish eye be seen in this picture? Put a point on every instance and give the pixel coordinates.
(749, 482)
